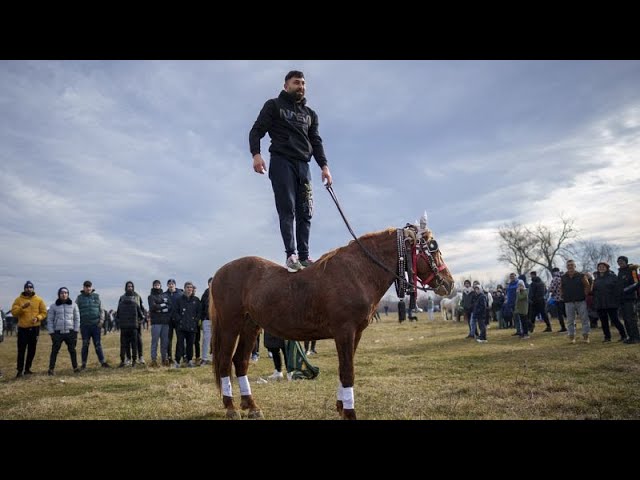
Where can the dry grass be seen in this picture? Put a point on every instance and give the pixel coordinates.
(422, 370)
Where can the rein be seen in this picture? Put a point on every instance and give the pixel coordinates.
(401, 254)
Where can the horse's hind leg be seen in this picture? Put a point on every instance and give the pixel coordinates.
(225, 343)
(346, 346)
(241, 362)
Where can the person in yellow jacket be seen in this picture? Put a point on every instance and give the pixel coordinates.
(30, 310)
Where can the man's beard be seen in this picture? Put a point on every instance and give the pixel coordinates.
(296, 95)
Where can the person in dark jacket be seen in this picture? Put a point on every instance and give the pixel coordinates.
(479, 313)
(63, 323)
(627, 277)
(173, 294)
(606, 300)
(293, 128)
(498, 302)
(91, 318)
(129, 315)
(160, 313)
(206, 325)
(140, 323)
(467, 303)
(538, 305)
(274, 344)
(186, 315)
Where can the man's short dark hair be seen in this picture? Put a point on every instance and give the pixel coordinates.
(555, 269)
(292, 74)
(87, 283)
(533, 273)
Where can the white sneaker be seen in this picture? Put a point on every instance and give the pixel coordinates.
(141, 360)
(289, 376)
(176, 365)
(276, 375)
(293, 265)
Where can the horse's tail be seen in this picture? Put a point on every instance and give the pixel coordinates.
(215, 339)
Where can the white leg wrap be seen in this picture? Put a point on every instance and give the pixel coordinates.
(340, 395)
(245, 388)
(225, 383)
(347, 398)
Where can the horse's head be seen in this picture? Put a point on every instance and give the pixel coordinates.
(430, 266)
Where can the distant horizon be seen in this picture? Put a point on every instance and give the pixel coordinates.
(141, 170)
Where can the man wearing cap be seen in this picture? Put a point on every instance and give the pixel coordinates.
(173, 294)
(606, 300)
(628, 276)
(30, 310)
(91, 319)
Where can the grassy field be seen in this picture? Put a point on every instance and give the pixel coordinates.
(423, 370)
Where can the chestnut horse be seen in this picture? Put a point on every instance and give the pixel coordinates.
(335, 297)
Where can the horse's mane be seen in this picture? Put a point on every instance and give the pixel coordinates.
(329, 255)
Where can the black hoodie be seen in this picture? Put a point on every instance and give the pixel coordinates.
(129, 311)
(293, 128)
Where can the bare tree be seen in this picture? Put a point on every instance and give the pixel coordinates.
(516, 245)
(589, 252)
(550, 244)
(525, 247)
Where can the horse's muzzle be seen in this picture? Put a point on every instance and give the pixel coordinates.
(444, 289)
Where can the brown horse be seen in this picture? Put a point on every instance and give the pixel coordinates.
(333, 298)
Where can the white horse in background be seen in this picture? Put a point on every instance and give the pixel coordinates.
(448, 306)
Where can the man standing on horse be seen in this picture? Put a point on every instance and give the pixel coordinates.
(293, 128)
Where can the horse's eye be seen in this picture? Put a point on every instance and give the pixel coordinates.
(432, 245)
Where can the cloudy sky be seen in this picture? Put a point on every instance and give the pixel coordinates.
(140, 170)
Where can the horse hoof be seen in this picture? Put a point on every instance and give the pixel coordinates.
(348, 414)
(233, 415)
(255, 415)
